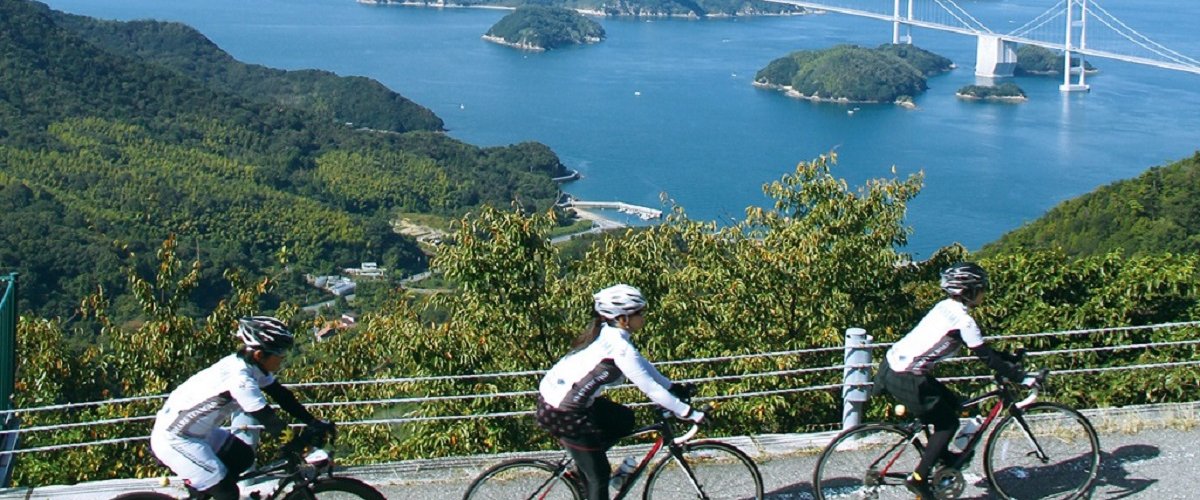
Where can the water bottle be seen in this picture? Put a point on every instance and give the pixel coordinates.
(622, 473)
(966, 431)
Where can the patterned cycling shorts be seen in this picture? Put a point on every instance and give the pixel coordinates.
(598, 426)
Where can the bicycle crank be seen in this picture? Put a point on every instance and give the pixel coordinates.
(948, 483)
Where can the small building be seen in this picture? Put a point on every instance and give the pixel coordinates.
(342, 288)
(369, 270)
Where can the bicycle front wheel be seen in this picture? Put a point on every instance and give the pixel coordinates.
(336, 488)
(867, 461)
(717, 471)
(1046, 451)
(523, 478)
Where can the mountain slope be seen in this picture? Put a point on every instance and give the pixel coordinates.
(361, 101)
(107, 151)
(1158, 211)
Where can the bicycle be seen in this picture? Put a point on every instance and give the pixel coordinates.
(704, 469)
(1037, 450)
(297, 476)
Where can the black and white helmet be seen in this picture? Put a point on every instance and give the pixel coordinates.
(265, 333)
(964, 279)
(618, 300)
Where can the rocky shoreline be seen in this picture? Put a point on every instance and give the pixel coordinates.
(793, 93)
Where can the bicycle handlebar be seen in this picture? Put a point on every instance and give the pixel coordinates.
(687, 436)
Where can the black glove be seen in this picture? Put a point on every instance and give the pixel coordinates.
(682, 390)
(321, 430)
(270, 421)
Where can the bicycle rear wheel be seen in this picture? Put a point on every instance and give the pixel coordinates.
(336, 488)
(721, 471)
(867, 461)
(523, 478)
(1066, 469)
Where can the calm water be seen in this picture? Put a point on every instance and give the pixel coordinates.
(667, 105)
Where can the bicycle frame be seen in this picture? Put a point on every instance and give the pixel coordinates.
(1004, 400)
(288, 473)
(665, 436)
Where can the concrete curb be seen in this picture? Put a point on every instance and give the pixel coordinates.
(762, 447)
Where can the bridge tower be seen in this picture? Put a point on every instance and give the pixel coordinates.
(995, 57)
(897, 39)
(1075, 24)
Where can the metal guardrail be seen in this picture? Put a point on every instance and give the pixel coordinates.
(8, 339)
(8, 375)
(856, 368)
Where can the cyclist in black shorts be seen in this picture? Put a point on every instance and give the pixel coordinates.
(907, 370)
(569, 403)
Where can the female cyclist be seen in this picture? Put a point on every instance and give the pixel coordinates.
(569, 403)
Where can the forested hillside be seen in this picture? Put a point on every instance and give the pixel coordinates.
(1156, 212)
(794, 276)
(357, 100)
(104, 155)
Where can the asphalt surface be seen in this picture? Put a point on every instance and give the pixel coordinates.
(1146, 452)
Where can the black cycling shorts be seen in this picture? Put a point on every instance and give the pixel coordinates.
(925, 396)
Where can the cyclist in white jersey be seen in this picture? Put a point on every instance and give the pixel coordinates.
(907, 370)
(570, 406)
(187, 434)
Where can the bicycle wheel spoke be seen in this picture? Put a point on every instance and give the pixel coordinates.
(720, 470)
(871, 461)
(530, 479)
(1055, 454)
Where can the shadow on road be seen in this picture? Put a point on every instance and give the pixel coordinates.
(1113, 482)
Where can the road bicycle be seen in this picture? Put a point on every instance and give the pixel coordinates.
(703, 469)
(297, 476)
(1037, 450)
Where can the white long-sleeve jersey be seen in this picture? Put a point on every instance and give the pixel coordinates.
(939, 335)
(575, 381)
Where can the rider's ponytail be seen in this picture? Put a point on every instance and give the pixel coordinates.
(588, 335)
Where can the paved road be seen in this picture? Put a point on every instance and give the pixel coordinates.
(1150, 464)
(1147, 453)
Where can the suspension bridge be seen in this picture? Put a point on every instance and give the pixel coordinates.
(1078, 28)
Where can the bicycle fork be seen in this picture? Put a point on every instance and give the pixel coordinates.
(677, 455)
(1038, 452)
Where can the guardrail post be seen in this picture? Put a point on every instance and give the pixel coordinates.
(856, 375)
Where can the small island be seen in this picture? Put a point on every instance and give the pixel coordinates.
(853, 74)
(1008, 91)
(538, 28)
(1035, 60)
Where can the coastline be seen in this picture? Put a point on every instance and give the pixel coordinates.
(791, 92)
(1007, 98)
(602, 223)
(523, 46)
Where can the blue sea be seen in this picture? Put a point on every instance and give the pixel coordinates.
(667, 105)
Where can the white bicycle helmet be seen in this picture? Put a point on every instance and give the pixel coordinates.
(619, 300)
(265, 333)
